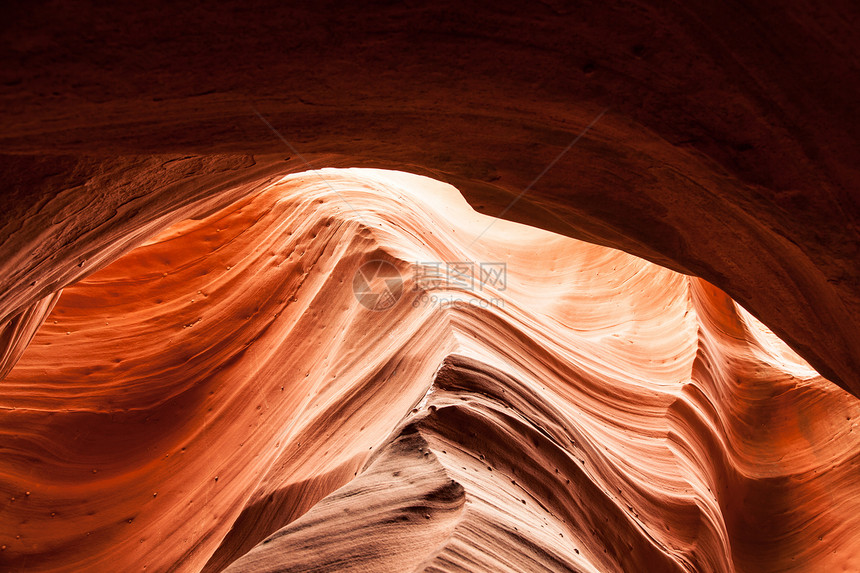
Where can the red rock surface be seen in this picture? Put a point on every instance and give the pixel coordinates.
(729, 152)
(597, 413)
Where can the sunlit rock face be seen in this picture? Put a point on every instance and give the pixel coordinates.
(238, 393)
(591, 411)
(727, 148)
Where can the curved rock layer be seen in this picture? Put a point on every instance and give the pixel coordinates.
(729, 151)
(219, 398)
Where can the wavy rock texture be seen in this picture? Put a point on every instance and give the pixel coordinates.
(600, 413)
(729, 150)
(217, 398)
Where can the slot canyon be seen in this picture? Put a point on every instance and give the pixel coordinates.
(448, 286)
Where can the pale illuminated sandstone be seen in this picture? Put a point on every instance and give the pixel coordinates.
(218, 396)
